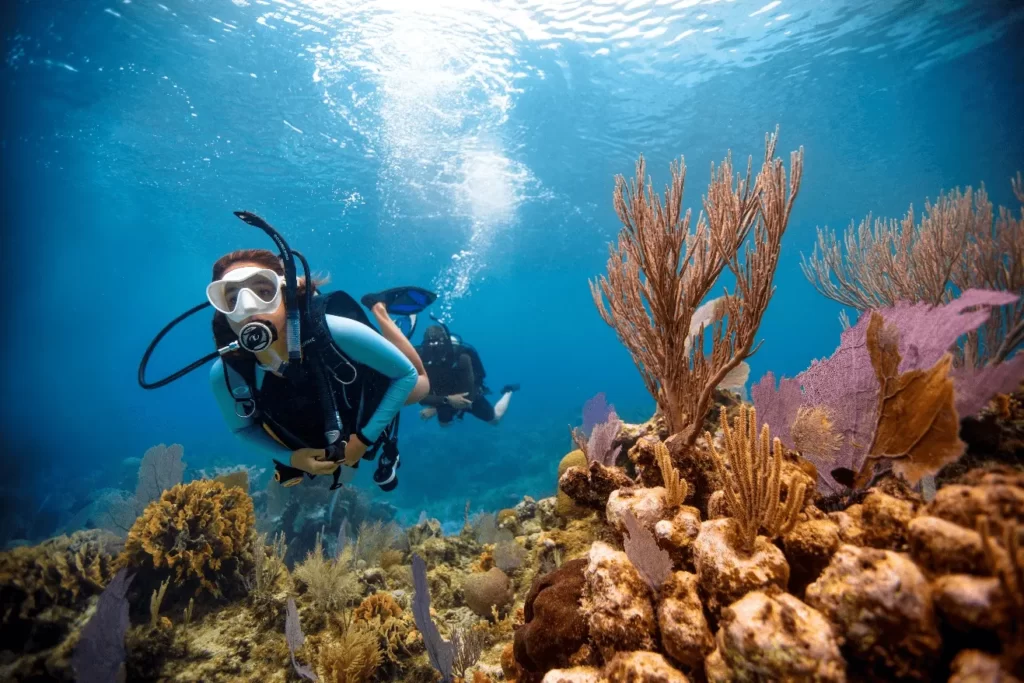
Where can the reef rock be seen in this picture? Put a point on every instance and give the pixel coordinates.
(526, 509)
(547, 512)
(642, 667)
(428, 528)
(647, 505)
(726, 574)
(554, 627)
(592, 486)
(998, 496)
(969, 603)
(486, 592)
(577, 674)
(437, 550)
(973, 666)
(677, 535)
(717, 507)
(617, 603)
(881, 604)
(943, 547)
(775, 637)
(809, 547)
(684, 630)
(884, 520)
(851, 528)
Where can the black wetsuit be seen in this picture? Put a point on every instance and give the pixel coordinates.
(458, 377)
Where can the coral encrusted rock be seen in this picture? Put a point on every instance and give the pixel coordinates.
(617, 603)
(775, 637)
(725, 573)
(642, 667)
(646, 504)
(884, 519)
(943, 547)
(809, 547)
(677, 535)
(971, 603)
(685, 635)
(881, 605)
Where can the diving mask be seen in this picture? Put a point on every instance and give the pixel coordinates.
(245, 292)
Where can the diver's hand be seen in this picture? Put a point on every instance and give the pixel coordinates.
(428, 413)
(313, 460)
(459, 401)
(354, 450)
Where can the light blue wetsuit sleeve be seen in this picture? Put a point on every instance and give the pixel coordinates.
(244, 428)
(363, 345)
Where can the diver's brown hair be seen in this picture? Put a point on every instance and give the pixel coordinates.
(263, 258)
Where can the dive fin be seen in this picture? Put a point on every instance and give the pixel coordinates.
(401, 300)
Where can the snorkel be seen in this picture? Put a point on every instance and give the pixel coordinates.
(257, 335)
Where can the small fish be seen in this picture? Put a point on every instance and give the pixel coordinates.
(844, 476)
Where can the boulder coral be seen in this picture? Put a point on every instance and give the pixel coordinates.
(773, 636)
(684, 630)
(809, 547)
(725, 573)
(488, 592)
(880, 604)
(617, 603)
(201, 533)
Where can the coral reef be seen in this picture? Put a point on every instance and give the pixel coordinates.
(698, 545)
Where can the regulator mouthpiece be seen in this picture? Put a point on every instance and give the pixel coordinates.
(257, 336)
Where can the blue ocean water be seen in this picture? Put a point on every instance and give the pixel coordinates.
(463, 145)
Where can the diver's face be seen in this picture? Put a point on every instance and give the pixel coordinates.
(277, 317)
(435, 351)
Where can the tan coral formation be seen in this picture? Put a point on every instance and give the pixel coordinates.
(725, 573)
(617, 603)
(774, 636)
(684, 629)
(880, 604)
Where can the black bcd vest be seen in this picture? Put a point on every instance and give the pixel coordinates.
(291, 407)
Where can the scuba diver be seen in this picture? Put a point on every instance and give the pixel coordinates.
(456, 380)
(303, 373)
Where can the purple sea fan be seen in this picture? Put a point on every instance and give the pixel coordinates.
(295, 638)
(100, 652)
(596, 411)
(599, 447)
(440, 651)
(653, 563)
(844, 387)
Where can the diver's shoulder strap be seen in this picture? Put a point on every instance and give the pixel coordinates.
(240, 379)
